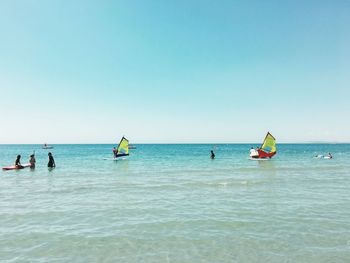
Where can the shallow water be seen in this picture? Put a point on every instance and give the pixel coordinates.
(172, 203)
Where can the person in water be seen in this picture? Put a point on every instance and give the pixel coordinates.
(330, 155)
(18, 162)
(32, 161)
(212, 155)
(253, 152)
(51, 163)
(115, 152)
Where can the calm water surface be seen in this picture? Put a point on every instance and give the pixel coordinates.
(171, 203)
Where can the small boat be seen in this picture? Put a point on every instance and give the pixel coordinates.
(267, 150)
(122, 150)
(45, 146)
(131, 146)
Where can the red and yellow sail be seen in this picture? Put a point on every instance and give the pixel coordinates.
(268, 148)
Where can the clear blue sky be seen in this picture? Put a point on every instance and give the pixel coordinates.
(174, 71)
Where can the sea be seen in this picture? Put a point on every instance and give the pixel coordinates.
(172, 203)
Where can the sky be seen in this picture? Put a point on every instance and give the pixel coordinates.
(174, 71)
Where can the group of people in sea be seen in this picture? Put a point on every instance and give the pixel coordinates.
(52, 164)
(32, 161)
(255, 153)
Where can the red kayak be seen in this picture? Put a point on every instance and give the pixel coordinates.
(14, 167)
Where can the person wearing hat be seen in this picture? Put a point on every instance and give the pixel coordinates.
(32, 161)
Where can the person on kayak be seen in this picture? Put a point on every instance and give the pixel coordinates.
(18, 162)
(51, 163)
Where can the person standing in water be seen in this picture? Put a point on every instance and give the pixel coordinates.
(253, 152)
(51, 163)
(212, 155)
(115, 152)
(18, 162)
(32, 161)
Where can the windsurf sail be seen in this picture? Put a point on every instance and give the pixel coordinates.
(123, 148)
(268, 148)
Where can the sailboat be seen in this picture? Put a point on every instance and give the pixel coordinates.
(267, 150)
(122, 150)
(45, 146)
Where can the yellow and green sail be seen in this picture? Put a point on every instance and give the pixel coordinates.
(123, 148)
(269, 144)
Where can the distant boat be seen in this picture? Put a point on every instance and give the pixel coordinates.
(45, 146)
(268, 148)
(131, 146)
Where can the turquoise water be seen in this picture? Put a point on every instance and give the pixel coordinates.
(172, 203)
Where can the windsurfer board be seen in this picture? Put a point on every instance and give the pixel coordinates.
(114, 159)
(259, 159)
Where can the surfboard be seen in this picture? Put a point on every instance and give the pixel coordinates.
(14, 167)
(114, 159)
(110, 159)
(259, 159)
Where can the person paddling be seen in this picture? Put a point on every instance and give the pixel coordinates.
(51, 163)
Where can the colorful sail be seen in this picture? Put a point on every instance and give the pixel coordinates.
(269, 144)
(268, 148)
(123, 148)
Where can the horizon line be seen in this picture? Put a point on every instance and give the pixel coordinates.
(165, 143)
